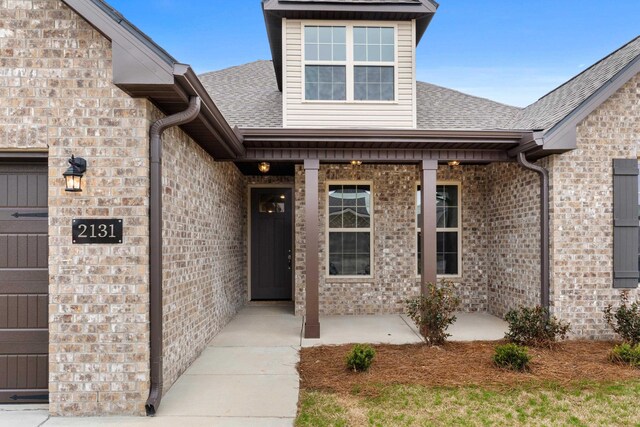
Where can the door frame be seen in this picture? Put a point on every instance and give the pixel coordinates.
(293, 235)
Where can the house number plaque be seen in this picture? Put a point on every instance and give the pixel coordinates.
(94, 231)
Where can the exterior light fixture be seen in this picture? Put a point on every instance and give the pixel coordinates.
(73, 175)
(454, 163)
(264, 167)
(356, 162)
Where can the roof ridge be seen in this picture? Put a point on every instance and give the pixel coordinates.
(586, 70)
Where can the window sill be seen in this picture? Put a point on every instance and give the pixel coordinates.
(453, 277)
(334, 102)
(348, 278)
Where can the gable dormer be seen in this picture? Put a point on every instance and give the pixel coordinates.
(347, 63)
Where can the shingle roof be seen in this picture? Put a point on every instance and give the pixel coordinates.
(248, 97)
(559, 103)
(442, 108)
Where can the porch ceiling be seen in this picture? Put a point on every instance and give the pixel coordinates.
(391, 145)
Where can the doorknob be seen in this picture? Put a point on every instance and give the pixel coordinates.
(289, 258)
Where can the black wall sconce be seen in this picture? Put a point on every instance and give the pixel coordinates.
(73, 175)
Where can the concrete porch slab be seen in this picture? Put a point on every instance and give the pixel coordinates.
(477, 327)
(380, 329)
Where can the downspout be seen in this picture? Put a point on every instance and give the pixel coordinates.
(544, 226)
(155, 245)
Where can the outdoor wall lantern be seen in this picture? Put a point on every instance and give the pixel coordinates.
(264, 167)
(454, 163)
(356, 162)
(73, 175)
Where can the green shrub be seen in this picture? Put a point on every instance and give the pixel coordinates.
(360, 357)
(626, 353)
(534, 327)
(433, 313)
(625, 320)
(512, 356)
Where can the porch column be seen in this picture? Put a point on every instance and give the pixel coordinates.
(428, 169)
(312, 304)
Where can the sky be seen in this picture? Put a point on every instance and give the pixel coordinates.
(511, 51)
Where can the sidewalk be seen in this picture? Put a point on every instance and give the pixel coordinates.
(247, 375)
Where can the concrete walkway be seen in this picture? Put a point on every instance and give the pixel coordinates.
(247, 375)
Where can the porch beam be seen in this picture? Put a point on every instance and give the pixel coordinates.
(312, 259)
(428, 171)
(389, 155)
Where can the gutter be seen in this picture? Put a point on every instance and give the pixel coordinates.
(544, 226)
(155, 245)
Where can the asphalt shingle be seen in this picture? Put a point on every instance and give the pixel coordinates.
(248, 97)
(559, 103)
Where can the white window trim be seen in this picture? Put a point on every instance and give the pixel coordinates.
(328, 276)
(440, 229)
(349, 63)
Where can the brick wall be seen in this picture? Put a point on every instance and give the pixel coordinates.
(56, 93)
(513, 237)
(394, 226)
(204, 258)
(582, 212)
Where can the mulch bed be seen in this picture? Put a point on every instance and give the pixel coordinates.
(459, 364)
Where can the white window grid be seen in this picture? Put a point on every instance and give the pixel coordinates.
(350, 63)
(457, 229)
(349, 230)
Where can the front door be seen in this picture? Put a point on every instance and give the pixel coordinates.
(24, 279)
(271, 247)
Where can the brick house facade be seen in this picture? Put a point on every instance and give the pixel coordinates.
(76, 81)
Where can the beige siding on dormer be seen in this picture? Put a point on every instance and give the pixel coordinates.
(298, 113)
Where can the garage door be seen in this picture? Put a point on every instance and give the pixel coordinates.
(23, 283)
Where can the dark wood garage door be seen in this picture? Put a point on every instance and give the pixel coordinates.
(23, 283)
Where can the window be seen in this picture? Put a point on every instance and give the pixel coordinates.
(373, 45)
(325, 53)
(448, 229)
(349, 229)
(347, 63)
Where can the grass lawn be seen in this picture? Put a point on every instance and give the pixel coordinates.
(595, 404)
(458, 385)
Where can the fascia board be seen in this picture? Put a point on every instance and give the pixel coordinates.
(133, 62)
(563, 135)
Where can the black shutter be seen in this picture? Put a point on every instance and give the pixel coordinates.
(625, 223)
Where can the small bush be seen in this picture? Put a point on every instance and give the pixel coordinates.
(512, 356)
(534, 327)
(626, 353)
(433, 313)
(360, 357)
(625, 320)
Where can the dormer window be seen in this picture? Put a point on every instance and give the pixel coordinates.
(349, 63)
(325, 53)
(374, 63)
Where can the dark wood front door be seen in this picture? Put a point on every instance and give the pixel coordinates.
(23, 284)
(271, 250)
